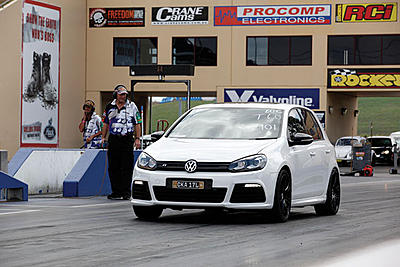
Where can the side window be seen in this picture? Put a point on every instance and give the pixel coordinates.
(311, 125)
(295, 123)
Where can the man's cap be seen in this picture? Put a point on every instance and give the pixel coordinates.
(89, 103)
(121, 89)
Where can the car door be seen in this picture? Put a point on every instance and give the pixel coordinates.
(303, 158)
(323, 153)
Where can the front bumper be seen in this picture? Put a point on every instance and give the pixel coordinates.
(228, 190)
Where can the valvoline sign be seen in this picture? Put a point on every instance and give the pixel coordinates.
(305, 97)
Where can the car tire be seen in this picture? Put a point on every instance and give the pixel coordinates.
(332, 203)
(147, 213)
(283, 197)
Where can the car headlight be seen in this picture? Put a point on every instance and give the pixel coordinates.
(386, 152)
(251, 163)
(145, 161)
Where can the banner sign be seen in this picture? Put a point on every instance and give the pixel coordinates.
(304, 97)
(272, 15)
(40, 74)
(321, 117)
(366, 12)
(116, 17)
(364, 78)
(179, 15)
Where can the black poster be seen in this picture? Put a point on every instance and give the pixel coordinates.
(179, 15)
(116, 17)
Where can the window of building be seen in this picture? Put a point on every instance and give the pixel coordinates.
(134, 51)
(279, 50)
(199, 51)
(364, 50)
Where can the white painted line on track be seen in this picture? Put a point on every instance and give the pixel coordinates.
(370, 183)
(101, 204)
(17, 212)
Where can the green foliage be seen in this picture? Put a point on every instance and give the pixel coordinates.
(383, 112)
(170, 111)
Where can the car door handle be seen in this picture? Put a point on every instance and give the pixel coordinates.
(312, 154)
(327, 151)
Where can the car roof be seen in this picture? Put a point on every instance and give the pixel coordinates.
(379, 136)
(250, 105)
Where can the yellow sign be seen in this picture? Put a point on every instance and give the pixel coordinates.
(380, 80)
(366, 12)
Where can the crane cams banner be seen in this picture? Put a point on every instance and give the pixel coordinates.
(308, 97)
(40, 85)
(272, 15)
(381, 12)
(179, 15)
(364, 78)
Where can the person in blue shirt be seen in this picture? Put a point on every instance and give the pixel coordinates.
(91, 126)
(122, 120)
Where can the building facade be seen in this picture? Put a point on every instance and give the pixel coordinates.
(320, 54)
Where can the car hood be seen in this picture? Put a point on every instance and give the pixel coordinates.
(342, 151)
(205, 150)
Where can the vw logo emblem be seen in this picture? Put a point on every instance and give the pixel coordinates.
(191, 165)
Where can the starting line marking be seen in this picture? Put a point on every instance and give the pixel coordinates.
(17, 212)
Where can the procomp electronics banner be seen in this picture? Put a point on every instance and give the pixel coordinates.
(272, 15)
(40, 74)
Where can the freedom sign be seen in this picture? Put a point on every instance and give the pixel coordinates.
(272, 15)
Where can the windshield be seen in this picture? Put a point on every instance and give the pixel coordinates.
(230, 123)
(346, 142)
(375, 142)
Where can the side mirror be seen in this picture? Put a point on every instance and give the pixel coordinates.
(301, 139)
(156, 135)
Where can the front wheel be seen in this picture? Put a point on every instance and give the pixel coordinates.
(331, 205)
(147, 213)
(283, 197)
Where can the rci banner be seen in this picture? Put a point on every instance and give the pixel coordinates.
(304, 97)
(179, 15)
(272, 15)
(116, 17)
(364, 78)
(366, 12)
(40, 90)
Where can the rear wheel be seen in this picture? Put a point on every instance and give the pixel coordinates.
(147, 213)
(283, 197)
(331, 205)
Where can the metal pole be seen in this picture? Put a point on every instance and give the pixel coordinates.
(142, 133)
(188, 93)
(150, 104)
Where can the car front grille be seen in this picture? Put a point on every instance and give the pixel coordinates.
(242, 194)
(212, 195)
(201, 166)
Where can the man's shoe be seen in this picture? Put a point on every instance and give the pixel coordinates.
(126, 197)
(113, 196)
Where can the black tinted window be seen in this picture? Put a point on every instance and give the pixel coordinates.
(133, 51)
(364, 50)
(200, 51)
(282, 50)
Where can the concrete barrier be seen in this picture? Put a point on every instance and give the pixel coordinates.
(74, 172)
(11, 188)
(45, 170)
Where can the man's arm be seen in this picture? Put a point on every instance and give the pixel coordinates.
(104, 132)
(82, 125)
(138, 131)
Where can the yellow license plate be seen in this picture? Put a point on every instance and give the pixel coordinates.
(184, 184)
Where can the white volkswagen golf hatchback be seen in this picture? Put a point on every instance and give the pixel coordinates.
(253, 156)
